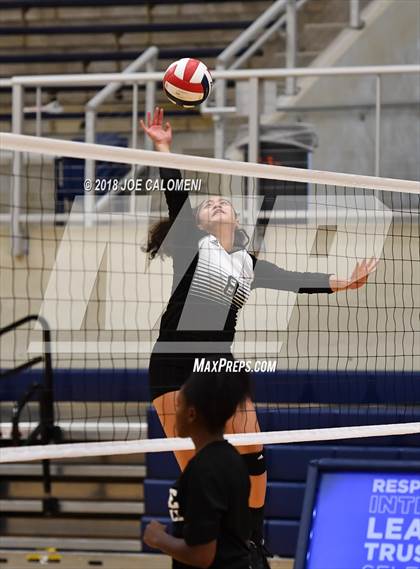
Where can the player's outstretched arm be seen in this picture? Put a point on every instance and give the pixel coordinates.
(155, 536)
(269, 275)
(161, 135)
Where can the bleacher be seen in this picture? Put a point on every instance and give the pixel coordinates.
(309, 400)
(56, 36)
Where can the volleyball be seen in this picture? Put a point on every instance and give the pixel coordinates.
(187, 82)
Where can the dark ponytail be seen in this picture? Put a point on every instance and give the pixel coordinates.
(216, 395)
(156, 239)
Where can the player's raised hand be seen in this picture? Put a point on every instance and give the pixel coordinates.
(160, 133)
(359, 276)
(361, 272)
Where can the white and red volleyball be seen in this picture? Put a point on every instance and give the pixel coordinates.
(187, 82)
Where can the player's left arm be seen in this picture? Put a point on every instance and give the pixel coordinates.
(202, 555)
(269, 275)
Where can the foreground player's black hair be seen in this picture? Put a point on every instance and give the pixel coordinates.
(216, 396)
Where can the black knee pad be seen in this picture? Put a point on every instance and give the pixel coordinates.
(255, 463)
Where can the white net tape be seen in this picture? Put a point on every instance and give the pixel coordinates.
(53, 147)
(78, 450)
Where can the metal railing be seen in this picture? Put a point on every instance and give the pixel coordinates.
(46, 430)
(148, 60)
(283, 13)
(253, 76)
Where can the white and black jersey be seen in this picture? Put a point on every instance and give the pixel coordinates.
(209, 502)
(210, 286)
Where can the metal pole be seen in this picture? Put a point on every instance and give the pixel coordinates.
(355, 20)
(378, 126)
(38, 111)
(291, 44)
(19, 246)
(150, 98)
(135, 117)
(89, 199)
(218, 118)
(253, 121)
(134, 135)
(253, 147)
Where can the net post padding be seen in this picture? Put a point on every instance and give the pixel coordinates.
(79, 450)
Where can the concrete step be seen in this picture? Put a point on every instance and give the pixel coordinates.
(107, 42)
(317, 35)
(69, 543)
(74, 490)
(63, 470)
(142, 13)
(220, 11)
(83, 507)
(14, 17)
(70, 527)
(326, 10)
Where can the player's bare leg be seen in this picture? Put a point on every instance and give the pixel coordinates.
(165, 406)
(245, 420)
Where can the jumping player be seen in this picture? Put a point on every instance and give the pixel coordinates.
(213, 278)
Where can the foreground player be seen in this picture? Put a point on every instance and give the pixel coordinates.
(209, 503)
(213, 278)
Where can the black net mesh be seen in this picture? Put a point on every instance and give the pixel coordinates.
(317, 359)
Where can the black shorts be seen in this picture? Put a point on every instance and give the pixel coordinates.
(168, 372)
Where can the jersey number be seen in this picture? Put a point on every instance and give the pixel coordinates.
(173, 506)
(231, 287)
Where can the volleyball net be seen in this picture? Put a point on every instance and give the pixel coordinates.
(323, 366)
